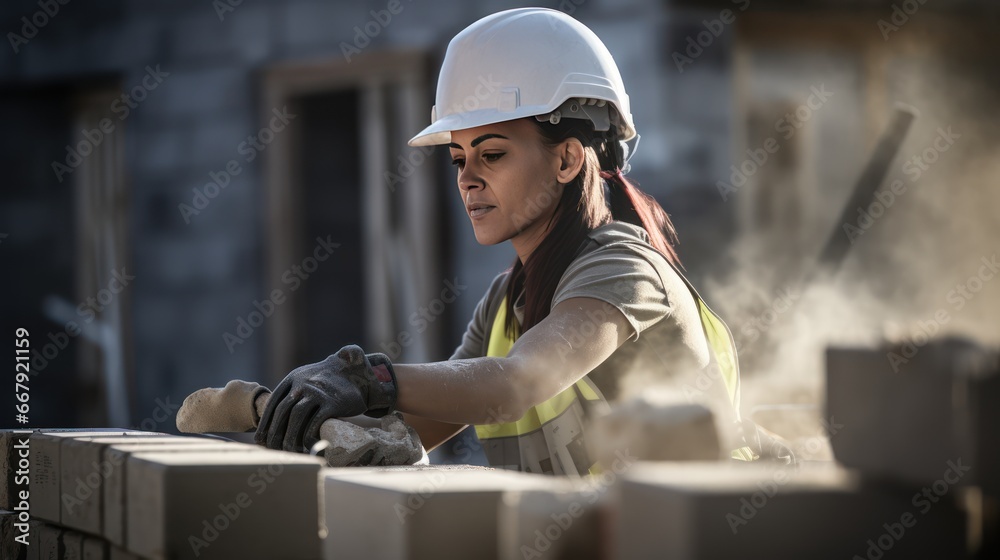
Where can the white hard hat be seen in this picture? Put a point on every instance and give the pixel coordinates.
(526, 62)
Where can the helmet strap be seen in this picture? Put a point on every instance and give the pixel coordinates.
(596, 111)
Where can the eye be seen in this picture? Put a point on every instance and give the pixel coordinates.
(491, 158)
(458, 162)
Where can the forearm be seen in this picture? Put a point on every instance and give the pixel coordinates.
(473, 391)
(432, 432)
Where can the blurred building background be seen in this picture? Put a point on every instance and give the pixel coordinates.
(199, 190)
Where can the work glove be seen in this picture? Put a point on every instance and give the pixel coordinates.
(347, 383)
(232, 408)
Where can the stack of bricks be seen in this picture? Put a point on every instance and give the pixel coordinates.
(925, 417)
(916, 476)
(121, 494)
(114, 494)
(914, 434)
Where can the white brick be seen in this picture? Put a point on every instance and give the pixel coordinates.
(82, 472)
(263, 504)
(116, 456)
(561, 522)
(719, 510)
(417, 513)
(653, 431)
(941, 406)
(45, 477)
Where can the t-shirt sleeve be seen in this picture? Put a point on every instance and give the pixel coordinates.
(623, 277)
(475, 332)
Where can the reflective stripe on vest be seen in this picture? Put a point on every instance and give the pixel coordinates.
(549, 438)
(529, 443)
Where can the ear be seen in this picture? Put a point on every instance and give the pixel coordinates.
(571, 159)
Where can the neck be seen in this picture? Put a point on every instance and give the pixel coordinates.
(528, 240)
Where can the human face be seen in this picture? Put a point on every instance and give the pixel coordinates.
(509, 182)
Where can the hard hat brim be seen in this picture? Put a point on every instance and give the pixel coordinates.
(440, 131)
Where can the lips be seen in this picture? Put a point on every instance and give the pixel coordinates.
(476, 210)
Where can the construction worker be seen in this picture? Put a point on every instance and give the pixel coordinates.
(534, 113)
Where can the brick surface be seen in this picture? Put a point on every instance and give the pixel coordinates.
(83, 472)
(14, 458)
(910, 420)
(652, 431)
(561, 522)
(718, 510)
(94, 549)
(263, 504)
(417, 513)
(50, 542)
(45, 463)
(9, 460)
(33, 539)
(9, 548)
(72, 545)
(116, 457)
(8, 464)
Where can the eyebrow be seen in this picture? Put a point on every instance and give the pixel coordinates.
(478, 141)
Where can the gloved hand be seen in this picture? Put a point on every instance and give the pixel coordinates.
(229, 409)
(347, 383)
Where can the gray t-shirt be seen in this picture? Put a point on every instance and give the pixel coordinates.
(667, 345)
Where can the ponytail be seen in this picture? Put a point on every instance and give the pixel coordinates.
(629, 204)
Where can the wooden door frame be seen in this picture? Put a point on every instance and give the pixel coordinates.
(369, 73)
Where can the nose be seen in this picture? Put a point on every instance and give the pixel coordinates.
(468, 179)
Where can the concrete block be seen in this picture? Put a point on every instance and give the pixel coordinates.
(720, 510)
(8, 466)
(911, 413)
(50, 542)
(116, 456)
(10, 456)
(10, 548)
(72, 545)
(263, 504)
(15, 472)
(559, 523)
(653, 431)
(45, 462)
(33, 539)
(94, 549)
(417, 513)
(83, 471)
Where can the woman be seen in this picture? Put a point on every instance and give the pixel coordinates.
(535, 115)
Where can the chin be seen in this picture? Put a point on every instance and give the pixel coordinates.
(487, 236)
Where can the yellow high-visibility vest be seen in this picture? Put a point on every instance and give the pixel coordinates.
(549, 438)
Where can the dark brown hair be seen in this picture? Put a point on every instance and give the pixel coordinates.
(581, 209)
